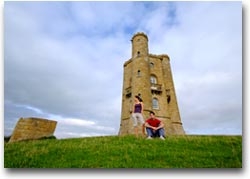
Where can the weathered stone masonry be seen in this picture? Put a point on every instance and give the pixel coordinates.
(150, 76)
(33, 128)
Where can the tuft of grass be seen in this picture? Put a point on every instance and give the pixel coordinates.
(126, 152)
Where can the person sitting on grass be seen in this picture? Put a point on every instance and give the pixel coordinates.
(154, 127)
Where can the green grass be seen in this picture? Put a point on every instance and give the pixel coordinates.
(126, 152)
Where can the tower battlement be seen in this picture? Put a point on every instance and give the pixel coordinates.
(139, 34)
(159, 56)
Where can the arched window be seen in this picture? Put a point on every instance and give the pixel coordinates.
(151, 65)
(153, 79)
(155, 103)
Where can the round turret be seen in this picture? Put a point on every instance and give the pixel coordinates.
(139, 45)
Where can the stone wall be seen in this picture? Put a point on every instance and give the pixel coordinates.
(33, 128)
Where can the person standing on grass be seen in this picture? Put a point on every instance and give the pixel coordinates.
(154, 127)
(137, 115)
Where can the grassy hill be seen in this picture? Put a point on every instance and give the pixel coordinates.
(126, 152)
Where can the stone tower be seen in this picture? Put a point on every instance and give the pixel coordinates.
(150, 77)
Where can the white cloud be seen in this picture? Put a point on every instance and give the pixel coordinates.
(77, 122)
(83, 123)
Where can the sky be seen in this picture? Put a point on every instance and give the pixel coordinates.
(64, 61)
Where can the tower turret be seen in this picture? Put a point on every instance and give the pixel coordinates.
(139, 45)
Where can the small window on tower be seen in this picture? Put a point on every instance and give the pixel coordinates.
(155, 103)
(168, 98)
(138, 53)
(139, 73)
(152, 65)
(168, 95)
(153, 79)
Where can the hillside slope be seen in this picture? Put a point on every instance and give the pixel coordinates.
(126, 152)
